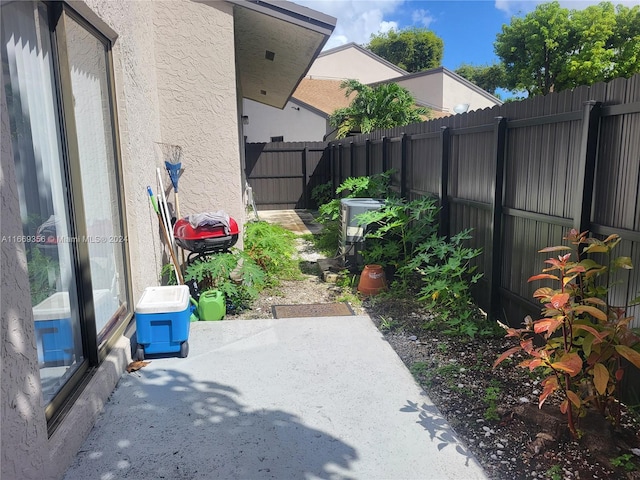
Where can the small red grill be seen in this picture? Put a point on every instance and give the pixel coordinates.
(205, 239)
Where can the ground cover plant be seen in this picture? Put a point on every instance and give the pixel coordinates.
(267, 259)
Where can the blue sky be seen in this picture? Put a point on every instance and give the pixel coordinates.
(468, 28)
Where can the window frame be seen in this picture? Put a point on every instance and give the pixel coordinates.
(94, 352)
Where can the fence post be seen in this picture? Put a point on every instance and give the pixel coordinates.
(340, 155)
(305, 180)
(352, 152)
(445, 220)
(403, 165)
(385, 159)
(367, 146)
(332, 159)
(587, 166)
(495, 259)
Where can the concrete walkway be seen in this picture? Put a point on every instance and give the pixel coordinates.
(314, 398)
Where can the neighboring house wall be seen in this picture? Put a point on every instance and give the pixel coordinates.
(174, 72)
(442, 90)
(427, 90)
(352, 62)
(456, 90)
(295, 123)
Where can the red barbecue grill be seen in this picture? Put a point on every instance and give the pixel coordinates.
(205, 239)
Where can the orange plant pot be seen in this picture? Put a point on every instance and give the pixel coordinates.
(372, 280)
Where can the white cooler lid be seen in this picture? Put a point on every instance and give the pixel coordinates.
(53, 308)
(173, 298)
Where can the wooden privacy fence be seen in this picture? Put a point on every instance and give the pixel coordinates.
(519, 175)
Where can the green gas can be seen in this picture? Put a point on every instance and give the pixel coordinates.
(212, 305)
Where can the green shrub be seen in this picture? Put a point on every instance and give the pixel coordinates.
(395, 231)
(374, 186)
(585, 339)
(215, 272)
(272, 247)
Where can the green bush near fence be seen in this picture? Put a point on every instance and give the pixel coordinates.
(403, 237)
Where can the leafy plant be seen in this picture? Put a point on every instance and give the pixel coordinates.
(491, 397)
(585, 338)
(385, 105)
(624, 461)
(323, 193)
(43, 271)
(272, 247)
(374, 186)
(387, 324)
(215, 272)
(396, 231)
(554, 472)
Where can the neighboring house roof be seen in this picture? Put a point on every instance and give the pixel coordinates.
(323, 95)
(366, 52)
(445, 71)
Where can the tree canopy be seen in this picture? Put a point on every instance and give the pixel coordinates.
(412, 49)
(487, 77)
(553, 48)
(382, 106)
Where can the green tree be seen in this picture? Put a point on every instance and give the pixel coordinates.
(384, 106)
(487, 77)
(553, 48)
(412, 49)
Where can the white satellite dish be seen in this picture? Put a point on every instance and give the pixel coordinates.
(461, 108)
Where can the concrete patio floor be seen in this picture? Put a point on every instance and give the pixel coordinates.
(312, 398)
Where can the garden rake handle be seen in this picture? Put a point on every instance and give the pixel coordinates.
(154, 203)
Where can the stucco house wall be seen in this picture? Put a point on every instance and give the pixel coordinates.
(295, 123)
(352, 61)
(442, 89)
(172, 85)
(194, 53)
(456, 90)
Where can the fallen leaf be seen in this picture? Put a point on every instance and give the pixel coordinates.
(137, 365)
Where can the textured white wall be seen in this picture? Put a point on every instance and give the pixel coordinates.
(351, 63)
(23, 426)
(295, 125)
(456, 93)
(175, 83)
(426, 89)
(194, 53)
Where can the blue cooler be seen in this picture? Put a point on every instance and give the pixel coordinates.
(163, 317)
(54, 331)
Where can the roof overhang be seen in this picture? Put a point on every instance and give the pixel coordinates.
(276, 42)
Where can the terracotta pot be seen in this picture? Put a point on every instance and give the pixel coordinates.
(372, 280)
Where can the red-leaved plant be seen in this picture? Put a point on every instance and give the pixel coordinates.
(584, 338)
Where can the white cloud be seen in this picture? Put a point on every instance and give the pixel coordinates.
(357, 19)
(386, 26)
(423, 17)
(522, 7)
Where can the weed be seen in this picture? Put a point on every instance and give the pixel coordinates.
(388, 324)
(554, 473)
(272, 247)
(419, 369)
(491, 397)
(624, 461)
